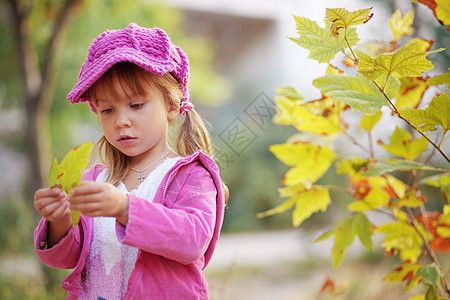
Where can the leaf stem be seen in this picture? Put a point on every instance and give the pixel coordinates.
(395, 110)
(429, 251)
(355, 60)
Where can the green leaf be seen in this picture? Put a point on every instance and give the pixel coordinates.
(440, 79)
(406, 61)
(436, 114)
(404, 146)
(344, 233)
(357, 92)
(318, 41)
(368, 122)
(289, 92)
(54, 172)
(428, 273)
(310, 161)
(390, 165)
(68, 175)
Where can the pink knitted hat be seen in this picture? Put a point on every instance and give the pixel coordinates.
(149, 48)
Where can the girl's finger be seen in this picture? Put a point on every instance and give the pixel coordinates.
(60, 211)
(87, 187)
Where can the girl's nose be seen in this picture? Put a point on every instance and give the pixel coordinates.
(123, 120)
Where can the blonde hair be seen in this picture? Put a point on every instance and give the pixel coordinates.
(193, 133)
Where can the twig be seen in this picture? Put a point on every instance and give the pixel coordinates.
(429, 251)
(395, 110)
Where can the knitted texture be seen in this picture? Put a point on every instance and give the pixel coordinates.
(149, 48)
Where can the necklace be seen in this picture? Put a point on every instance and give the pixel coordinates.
(141, 177)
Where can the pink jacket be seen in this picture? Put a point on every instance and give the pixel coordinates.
(176, 234)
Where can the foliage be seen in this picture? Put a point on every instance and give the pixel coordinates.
(372, 82)
(67, 174)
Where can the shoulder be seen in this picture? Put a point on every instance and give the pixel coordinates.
(93, 171)
(196, 172)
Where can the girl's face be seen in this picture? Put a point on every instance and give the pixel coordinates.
(135, 125)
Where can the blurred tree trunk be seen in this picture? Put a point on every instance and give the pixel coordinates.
(38, 82)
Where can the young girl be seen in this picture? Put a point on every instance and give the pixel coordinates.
(150, 215)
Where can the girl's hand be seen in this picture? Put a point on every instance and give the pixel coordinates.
(51, 203)
(95, 199)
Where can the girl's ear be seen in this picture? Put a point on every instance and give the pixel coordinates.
(172, 112)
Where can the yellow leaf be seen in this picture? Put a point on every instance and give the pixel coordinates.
(443, 11)
(310, 161)
(375, 198)
(368, 121)
(404, 272)
(402, 145)
(403, 239)
(401, 25)
(308, 203)
(319, 117)
(411, 92)
(342, 18)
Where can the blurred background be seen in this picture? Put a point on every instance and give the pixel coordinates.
(239, 53)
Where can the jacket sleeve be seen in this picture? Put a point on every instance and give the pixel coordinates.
(63, 255)
(180, 230)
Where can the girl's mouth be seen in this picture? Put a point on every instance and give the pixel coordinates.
(126, 140)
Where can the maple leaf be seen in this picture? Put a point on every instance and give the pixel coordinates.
(411, 92)
(404, 146)
(401, 238)
(436, 114)
(342, 18)
(344, 234)
(411, 199)
(404, 273)
(357, 92)
(383, 166)
(408, 61)
(368, 122)
(441, 181)
(352, 166)
(374, 199)
(330, 287)
(318, 117)
(310, 161)
(322, 47)
(440, 8)
(401, 25)
(67, 175)
(440, 79)
(306, 202)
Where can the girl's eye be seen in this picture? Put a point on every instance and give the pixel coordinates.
(106, 111)
(137, 105)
